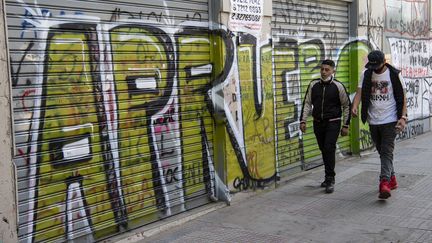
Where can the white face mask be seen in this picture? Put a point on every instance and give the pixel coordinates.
(327, 79)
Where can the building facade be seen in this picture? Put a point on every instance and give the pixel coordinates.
(123, 113)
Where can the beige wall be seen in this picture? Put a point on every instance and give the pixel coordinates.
(371, 21)
(8, 210)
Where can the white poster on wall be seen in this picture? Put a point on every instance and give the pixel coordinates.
(414, 59)
(246, 15)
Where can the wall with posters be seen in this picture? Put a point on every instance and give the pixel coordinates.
(119, 107)
(403, 32)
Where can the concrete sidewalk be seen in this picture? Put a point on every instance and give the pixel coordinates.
(300, 211)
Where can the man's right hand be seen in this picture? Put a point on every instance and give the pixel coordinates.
(356, 102)
(354, 111)
(303, 127)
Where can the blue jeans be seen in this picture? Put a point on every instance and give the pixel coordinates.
(384, 138)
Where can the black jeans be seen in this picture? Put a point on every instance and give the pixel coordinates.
(384, 138)
(327, 133)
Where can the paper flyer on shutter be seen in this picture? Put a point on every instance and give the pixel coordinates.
(246, 15)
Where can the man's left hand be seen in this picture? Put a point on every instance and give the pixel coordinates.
(400, 125)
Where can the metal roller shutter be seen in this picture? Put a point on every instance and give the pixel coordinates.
(304, 33)
(112, 126)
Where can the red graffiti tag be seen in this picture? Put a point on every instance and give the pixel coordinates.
(26, 93)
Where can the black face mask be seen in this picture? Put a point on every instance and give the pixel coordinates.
(379, 70)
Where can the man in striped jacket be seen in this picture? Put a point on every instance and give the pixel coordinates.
(327, 100)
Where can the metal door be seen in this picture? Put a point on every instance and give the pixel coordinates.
(304, 33)
(113, 130)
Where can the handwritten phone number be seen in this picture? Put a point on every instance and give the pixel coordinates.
(246, 17)
(246, 8)
(258, 2)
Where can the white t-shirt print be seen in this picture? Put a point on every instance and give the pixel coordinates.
(382, 107)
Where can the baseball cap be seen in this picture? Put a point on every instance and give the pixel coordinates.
(376, 58)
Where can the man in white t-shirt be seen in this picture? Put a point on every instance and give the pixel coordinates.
(381, 91)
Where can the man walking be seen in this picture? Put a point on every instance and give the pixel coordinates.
(327, 99)
(381, 91)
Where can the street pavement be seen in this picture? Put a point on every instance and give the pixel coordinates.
(298, 210)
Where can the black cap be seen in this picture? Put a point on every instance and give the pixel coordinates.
(376, 58)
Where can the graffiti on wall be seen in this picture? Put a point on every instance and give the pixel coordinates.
(250, 120)
(115, 115)
(307, 20)
(302, 13)
(414, 59)
(402, 31)
(120, 130)
(374, 22)
(407, 17)
(120, 118)
(304, 34)
(354, 53)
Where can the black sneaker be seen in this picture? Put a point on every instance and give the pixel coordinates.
(329, 187)
(324, 184)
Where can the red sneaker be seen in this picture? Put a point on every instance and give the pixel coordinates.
(393, 183)
(384, 189)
